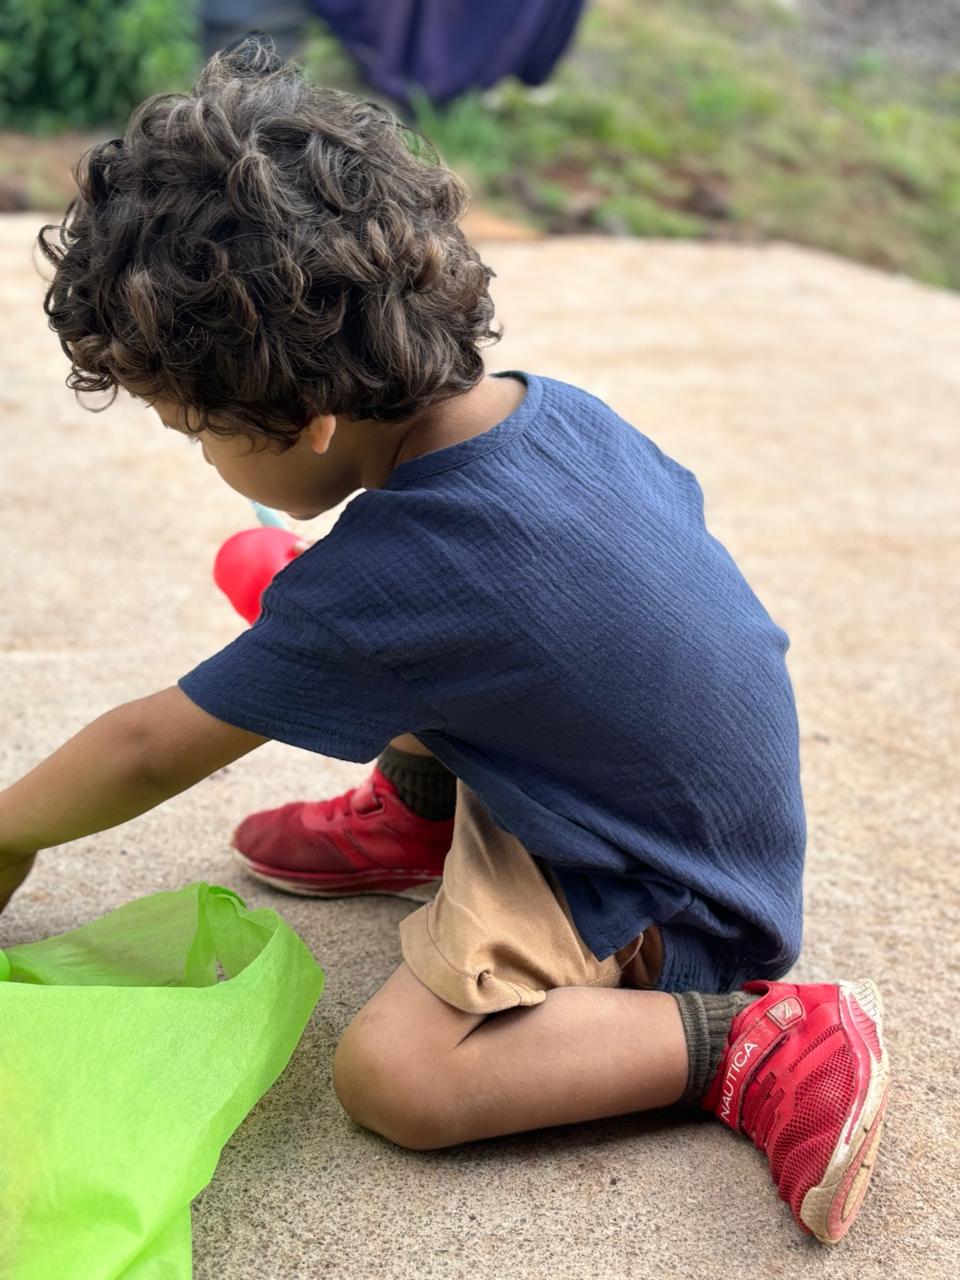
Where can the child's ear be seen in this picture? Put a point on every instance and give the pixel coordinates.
(319, 431)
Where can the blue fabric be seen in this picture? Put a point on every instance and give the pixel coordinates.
(449, 46)
(545, 608)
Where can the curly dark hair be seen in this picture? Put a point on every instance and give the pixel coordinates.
(262, 250)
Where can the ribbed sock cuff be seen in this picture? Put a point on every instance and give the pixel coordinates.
(706, 1024)
(425, 785)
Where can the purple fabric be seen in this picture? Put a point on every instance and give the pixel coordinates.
(449, 46)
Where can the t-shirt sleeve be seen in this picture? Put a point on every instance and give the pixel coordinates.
(291, 678)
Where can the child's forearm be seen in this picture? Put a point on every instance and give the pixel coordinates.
(118, 767)
(96, 780)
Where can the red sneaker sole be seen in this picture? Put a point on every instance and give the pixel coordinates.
(392, 884)
(829, 1209)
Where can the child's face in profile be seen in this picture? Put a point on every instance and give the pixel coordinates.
(302, 481)
(334, 457)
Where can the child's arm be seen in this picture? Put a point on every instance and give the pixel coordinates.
(124, 763)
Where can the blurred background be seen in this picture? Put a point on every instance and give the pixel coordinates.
(814, 399)
(830, 123)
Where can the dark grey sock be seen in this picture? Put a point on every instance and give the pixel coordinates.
(706, 1024)
(425, 785)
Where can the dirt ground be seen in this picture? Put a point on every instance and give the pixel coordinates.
(816, 401)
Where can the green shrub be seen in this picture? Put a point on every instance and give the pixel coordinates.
(636, 215)
(326, 62)
(80, 63)
(466, 135)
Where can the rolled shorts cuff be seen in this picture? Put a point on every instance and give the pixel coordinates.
(480, 991)
(499, 934)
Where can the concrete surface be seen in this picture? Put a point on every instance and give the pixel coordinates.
(817, 403)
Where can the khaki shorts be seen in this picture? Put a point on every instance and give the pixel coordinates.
(499, 932)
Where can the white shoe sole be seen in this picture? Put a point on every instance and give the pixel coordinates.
(422, 892)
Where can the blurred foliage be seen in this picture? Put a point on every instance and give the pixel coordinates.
(76, 63)
(689, 118)
(326, 61)
(666, 118)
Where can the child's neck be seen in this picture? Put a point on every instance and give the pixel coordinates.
(463, 417)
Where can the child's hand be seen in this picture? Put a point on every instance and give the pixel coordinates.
(13, 872)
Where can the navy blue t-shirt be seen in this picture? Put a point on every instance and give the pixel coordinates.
(543, 606)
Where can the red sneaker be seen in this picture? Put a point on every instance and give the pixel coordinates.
(804, 1075)
(365, 841)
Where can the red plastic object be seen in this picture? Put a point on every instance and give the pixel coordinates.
(248, 562)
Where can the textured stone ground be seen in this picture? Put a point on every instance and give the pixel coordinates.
(817, 403)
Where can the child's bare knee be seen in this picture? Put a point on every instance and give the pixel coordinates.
(353, 1075)
(386, 1091)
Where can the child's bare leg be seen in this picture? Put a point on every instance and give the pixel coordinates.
(425, 1074)
(407, 742)
(13, 872)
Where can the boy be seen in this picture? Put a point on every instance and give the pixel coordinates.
(581, 712)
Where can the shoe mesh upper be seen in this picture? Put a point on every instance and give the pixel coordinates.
(277, 838)
(323, 854)
(814, 1044)
(802, 1151)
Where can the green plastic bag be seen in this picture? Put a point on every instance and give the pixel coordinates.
(125, 1065)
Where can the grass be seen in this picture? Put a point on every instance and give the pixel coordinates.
(688, 118)
(685, 118)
